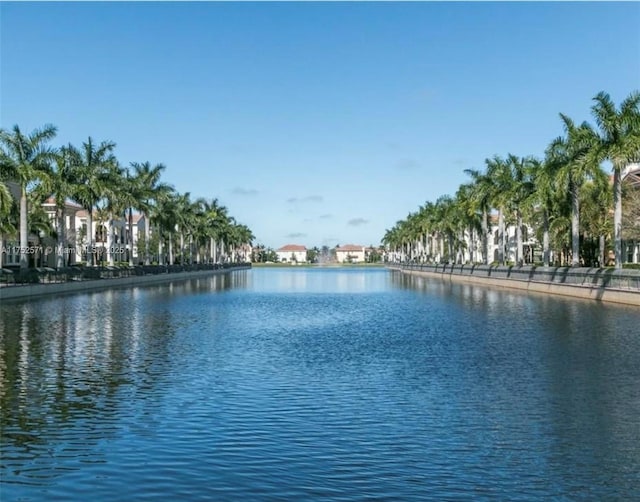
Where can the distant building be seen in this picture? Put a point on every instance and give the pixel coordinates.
(350, 253)
(292, 253)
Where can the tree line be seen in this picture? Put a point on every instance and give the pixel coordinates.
(185, 229)
(566, 197)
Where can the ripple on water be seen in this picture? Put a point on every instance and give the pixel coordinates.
(348, 385)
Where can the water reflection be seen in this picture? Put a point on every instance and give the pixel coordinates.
(290, 383)
(69, 365)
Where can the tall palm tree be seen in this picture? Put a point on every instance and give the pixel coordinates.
(595, 206)
(577, 163)
(6, 226)
(544, 199)
(26, 159)
(61, 186)
(166, 220)
(90, 168)
(150, 190)
(619, 142)
(502, 185)
(520, 191)
(481, 192)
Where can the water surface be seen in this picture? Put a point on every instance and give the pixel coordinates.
(328, 383)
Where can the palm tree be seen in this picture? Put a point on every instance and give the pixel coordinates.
(575, 155)
(502, 185)
(619, 142)
(595, 207)
(90, 168)
(26, 159)
(521, 189)
(6, 206)
(61, 186)
(543, 200)
(481, 193)
(150, 190)
(166, 220)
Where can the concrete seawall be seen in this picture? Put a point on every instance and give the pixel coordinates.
(607, 285)
(48, 289)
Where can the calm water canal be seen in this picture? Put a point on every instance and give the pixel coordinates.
(299, 384)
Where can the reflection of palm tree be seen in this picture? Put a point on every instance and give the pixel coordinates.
(619, 142)
(25, 159)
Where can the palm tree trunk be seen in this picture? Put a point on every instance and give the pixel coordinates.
(159, 246)
(181, 248)
(485, 236)
(60, 224)
(24, 235)
(171, 261)
(617, 214)
(147, 235)
(519, 257)
(130, 238)
(501, 257)
(545, 238)
(111, 242)
(601, 252)
(575, 226)
(90, 237)
(472, 245)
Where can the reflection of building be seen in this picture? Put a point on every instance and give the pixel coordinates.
(350, 253)
(292, 253)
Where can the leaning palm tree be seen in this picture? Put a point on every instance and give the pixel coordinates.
(26, 159)
(619, 142)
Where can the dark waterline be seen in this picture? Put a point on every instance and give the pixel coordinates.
(345, 384)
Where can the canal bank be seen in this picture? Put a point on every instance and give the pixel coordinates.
(606, 285)
(27, 291)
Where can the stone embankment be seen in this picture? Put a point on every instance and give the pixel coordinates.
(607, 285)
(159, 275)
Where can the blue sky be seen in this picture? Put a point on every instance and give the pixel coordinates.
(314, 123)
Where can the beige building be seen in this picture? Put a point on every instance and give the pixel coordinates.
(292, 253)
(350, 253)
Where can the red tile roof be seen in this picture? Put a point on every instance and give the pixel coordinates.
(292, 247)
(350, 248)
